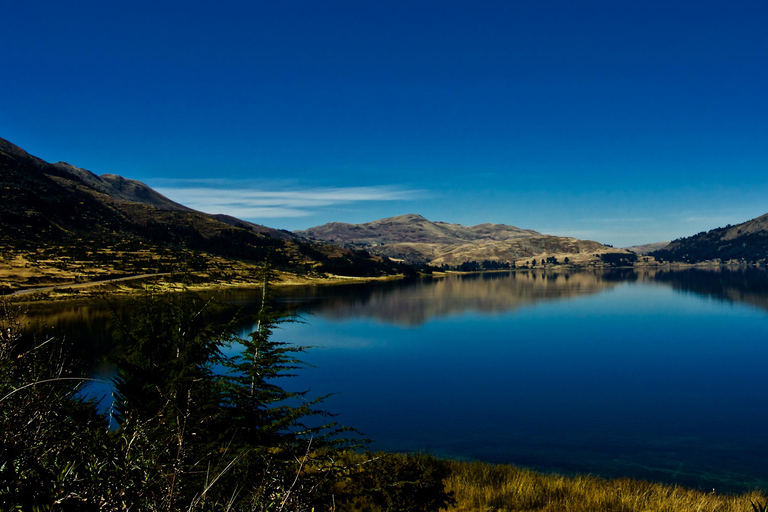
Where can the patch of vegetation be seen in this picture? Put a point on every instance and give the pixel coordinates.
(711, 245)
(477, 266)
(617, 259)
(194, 427)
(357, 263)
(478, 486)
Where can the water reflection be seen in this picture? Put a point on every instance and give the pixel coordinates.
(413, 303)
(417, 302)
(86, 327)
(646, 373)
(745, 285)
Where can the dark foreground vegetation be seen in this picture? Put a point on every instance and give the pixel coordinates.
(196, 428)
(191, 427)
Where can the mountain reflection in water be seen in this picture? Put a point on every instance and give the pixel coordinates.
(650, 373)
(417, 302)
(414, 302)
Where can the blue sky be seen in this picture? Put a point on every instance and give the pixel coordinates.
(623, 122)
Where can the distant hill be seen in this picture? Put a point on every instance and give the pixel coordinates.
(746, 242)
(50, 211)
(414, 239)
(647, 248)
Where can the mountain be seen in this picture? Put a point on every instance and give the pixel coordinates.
(745, 242)
(414, 239)
(647, 248)
(38, 201)
(60, 223)
(122, 189)
(279, 234)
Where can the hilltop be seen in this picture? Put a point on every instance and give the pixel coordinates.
(746, 242)
(414, 239)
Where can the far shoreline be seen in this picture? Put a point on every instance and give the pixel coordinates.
(127, 286)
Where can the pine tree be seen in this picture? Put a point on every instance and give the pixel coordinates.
(288, 456)
(205, 430)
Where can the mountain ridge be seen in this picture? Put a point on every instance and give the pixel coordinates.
(417, 240)
(744, 242)
(123, 189)
(63, 224)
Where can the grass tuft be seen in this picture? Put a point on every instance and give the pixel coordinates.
(480, 487)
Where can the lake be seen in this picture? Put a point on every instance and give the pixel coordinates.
(660, 375)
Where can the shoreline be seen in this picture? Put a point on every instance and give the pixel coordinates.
(125, 286)
(117, 287)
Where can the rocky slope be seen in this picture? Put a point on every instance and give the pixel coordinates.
(414, 239)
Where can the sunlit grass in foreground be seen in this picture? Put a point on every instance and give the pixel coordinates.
(485, 487)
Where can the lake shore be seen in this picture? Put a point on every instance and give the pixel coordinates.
(74, 288)
(132, 285)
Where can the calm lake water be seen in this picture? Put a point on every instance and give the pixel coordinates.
(655, 375)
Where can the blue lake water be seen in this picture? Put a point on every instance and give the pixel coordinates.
(654, 375)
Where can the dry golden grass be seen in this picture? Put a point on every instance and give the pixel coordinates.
(495, 488)
(53, 274)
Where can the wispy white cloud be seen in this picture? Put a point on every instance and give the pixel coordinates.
(244, 200)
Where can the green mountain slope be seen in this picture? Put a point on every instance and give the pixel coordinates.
(745, 242)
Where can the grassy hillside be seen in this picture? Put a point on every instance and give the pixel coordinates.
(61, 224)
(414, 239)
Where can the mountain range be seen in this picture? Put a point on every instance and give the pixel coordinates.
(69, 221)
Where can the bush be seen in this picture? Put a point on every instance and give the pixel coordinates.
(398, 483)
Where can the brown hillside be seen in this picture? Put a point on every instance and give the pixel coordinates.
(415, 239)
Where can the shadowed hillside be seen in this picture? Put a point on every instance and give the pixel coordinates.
(745, 242)
(62, 224)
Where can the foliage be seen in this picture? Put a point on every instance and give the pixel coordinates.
(201, 430)
(54, 448)
(350, 262)
(476, 266)
(199, 424)
(211, 430)
(398, 483)
(716, 245)
(618, 259)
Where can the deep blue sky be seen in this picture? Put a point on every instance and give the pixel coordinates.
(619, 121)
